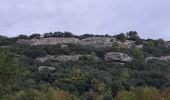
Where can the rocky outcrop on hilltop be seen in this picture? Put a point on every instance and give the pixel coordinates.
(49, 41)
(98, 42)
(126, 44)
(117, 56)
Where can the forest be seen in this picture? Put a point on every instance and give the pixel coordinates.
(23, 77)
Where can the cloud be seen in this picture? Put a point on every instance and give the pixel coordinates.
(149, 17)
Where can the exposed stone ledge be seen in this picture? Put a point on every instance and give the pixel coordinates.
(60, 58)
(117, 56)
(66, 58)
(163, 58)
(96, 42)
(46, 58)
(49, 41)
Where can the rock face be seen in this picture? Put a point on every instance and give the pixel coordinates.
(139, 46)
(126, 44)
(46, 58)
(49, 41)
(98, 42)
(60, 58)
(117, 56)
(24, 41)
(66, 58)
(164, 58)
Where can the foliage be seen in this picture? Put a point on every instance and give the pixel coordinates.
(10, 71)
(121, 37)
(89, 78)
(51, 94)
(140, 93)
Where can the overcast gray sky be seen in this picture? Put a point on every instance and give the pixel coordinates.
(150, 18)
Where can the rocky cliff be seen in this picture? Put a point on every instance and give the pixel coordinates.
(49, 41)
(96, 42)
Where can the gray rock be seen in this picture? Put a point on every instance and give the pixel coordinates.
(49, 41)
(98, 42)
(24, 41)
(126, 44)
(66, 58)
(46, 58)
(40, 68)
(139, 46)
(117, 56)
(64, 46)
(3, 47)
(163, 58)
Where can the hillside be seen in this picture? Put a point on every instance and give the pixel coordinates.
(63, 66)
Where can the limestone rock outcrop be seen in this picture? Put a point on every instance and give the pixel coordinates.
(163, 58)
(60, 58)
(46, 58)
(126, 44)
(98, 42)
(66, 58)
(49, 41)
(117, 56)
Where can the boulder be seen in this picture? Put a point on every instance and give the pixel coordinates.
(117, 56)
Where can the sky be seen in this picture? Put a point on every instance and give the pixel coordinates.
(150, 18)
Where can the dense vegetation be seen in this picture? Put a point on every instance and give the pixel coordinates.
(86, 79)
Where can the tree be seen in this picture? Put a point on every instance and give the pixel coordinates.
(57, 34)
(46, 35)
(22, 36)
(4, 41)
(86, 36)
(159, 43)
(125, 95)
(37, 36)
(138, 60)
(139, 93)
(68, 34)
(147, 93)
(133, 35)
(10, 71)
(165, 94)
(150, 47)
(121, 37)
(51, 94)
